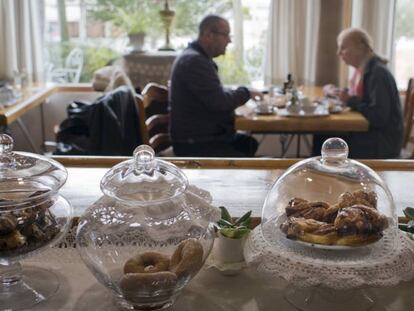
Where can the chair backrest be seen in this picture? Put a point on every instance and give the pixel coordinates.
(139, 101)
(155, 99)
(410, 89)
(159, 138)
(408, 113)
(74, 64)
(154, 113)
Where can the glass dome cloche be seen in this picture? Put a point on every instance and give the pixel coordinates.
(150, 233)
(330, 202)
(33, 216)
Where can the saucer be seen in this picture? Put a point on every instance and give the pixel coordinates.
(225, 268)
(231, 268)
(267, 111)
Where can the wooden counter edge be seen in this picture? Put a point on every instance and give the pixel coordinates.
(226, 163)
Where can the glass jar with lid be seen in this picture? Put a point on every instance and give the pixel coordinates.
(150, 233)
(33, 216)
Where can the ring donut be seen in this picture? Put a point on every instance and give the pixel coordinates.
(133, 284)
(148, 262)
(187, 258)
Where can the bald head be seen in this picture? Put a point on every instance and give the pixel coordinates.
(210, 23)
(214, 35)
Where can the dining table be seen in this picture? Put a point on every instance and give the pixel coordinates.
(289, 126)
(346, 121)
(238, 184)
(34, 95)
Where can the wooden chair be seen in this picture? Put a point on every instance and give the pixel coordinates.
(410, 89)
(408, 113)
(154, 117)
(155, 99)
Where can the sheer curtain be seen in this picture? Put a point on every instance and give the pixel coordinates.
(21, 39)
(376, 17)
(292, 41)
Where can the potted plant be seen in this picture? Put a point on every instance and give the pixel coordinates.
(407, 224)
(232, 234)
(134, 17)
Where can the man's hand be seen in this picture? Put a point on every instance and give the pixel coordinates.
(331, 90)
(344, 95)
(256, 95)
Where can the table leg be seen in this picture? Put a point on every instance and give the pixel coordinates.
(298, 146)
(27, 135)
(42, 123)
(285, 141)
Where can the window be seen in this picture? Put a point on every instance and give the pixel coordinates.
(96, 28)
(404, 42)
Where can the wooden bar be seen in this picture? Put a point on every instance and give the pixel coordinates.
(225, 163)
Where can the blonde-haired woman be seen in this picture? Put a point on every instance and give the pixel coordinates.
(372, 92)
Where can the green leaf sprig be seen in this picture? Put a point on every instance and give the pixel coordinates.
(409, 226)
(234, 229)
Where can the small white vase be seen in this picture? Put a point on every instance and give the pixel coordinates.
(229, 250)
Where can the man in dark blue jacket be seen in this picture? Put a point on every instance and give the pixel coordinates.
(202, 110)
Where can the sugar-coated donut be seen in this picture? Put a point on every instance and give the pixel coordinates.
(146, 283)
(148, 262)
(187, 258)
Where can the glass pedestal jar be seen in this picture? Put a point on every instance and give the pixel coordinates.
(32, 217)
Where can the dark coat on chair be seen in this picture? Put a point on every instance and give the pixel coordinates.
(109, 126)
(114, 124)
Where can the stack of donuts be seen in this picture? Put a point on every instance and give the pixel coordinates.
(151, 272)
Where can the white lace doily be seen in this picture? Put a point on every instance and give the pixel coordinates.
(385, 263)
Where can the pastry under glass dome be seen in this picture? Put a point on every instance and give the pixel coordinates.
(33, 216)
(335, 190)
(150, 233)
(329, 228)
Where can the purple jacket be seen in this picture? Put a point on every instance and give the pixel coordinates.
(201, 109)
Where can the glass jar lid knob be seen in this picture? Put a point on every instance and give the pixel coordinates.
(6, 144)
(144, 159)
(6, 152)
(334, 150)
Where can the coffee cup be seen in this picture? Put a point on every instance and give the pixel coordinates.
(263, 107)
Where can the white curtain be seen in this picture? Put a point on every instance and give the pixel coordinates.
(21, 39)
(292, 41)
(377, 18)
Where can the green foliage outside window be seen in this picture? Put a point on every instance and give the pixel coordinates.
(131, 16)
(404, 22)
(188, 14)
(134, 16)
(231, 71)
(94, 57)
